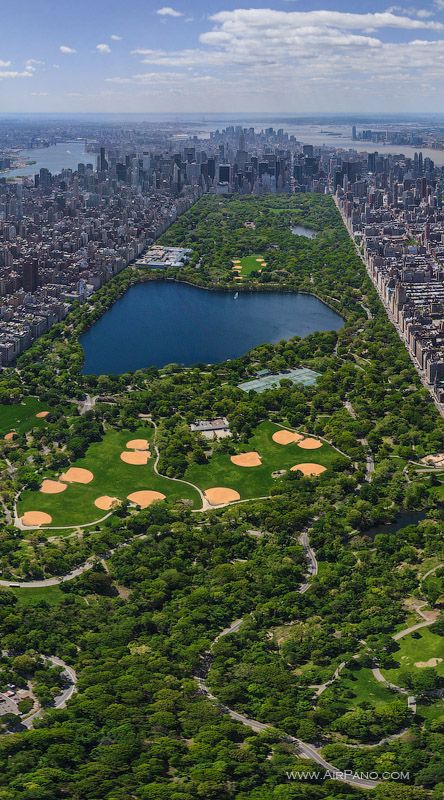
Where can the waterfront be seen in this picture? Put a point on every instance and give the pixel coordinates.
(65, 155)
(158, 322)
(300, 230)
(403, 519)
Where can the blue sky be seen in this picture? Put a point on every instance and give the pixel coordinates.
(286, 56)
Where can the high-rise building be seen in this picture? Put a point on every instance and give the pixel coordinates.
(224, 173)
(30, 275)
(103, 164)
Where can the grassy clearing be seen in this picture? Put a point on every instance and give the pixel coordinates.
(364, 688)
(257, 481)
(419, 647)
(21, 417)
(52, 595)
(431, 712)
(112, 477)
(250, 264)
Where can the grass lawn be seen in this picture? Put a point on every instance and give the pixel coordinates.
(52, 595)
(365, 688)
(250, 264)
(112, 477)
(257, 481)
(412, 650)
(20, 417)
(431, 712)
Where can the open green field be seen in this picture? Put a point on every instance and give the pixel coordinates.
(431, 712)
(413, 650)
(52, 595)
(364, 687)
(258, 481)
(250, 264)
(112, 477)
(20, 417)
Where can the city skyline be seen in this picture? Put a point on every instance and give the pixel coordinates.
(295, 56)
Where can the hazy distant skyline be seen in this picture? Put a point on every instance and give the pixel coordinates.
(295, 56)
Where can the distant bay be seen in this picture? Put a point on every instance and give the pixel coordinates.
(65, 155)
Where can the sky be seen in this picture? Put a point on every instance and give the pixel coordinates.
(288, 56)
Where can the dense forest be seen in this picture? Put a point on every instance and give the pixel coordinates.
(141, 624)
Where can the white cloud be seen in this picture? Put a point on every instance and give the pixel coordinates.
(116, 38)
(422, 13)
(303, 61)
(237, 21)
(67, 51)
(167, 11)
(103, 49)
(148, 78)
(5, 63)
(32, 63)
(39, 94)
(13, 74)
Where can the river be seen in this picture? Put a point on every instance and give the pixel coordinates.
(65, 155)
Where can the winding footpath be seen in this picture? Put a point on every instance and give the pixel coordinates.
(302, 748)
(56, 580)
(61, 700)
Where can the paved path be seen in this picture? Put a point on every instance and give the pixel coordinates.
(369, 461)
(56, 580)
(385, 740)
(323, 686)
(367, 310)
(62, 699)
(205, 504)
(321, 438)
(412, 628)
(378, 676)
(430, 572)
(302, 748)
(350, 408)
(311, 559)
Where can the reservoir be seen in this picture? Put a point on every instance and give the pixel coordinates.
(299, 230)
(163, 322)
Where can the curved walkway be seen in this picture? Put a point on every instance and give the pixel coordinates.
(18, 524)
(205, 503)
(430, 572)
(321, 438)
(385, 740)
(61, 700)
(56, 580)
(412, 628)
(302, 748)
(378, 676)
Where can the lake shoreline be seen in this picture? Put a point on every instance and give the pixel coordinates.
(170, 321)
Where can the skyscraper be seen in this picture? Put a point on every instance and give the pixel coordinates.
(30, 275)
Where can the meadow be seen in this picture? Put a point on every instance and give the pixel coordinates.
(112, 477)
(258, 481)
